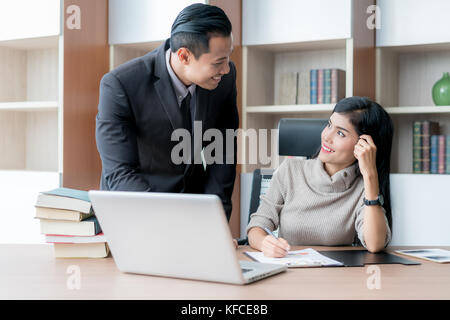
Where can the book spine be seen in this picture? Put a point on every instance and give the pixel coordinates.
(434, 154)
(341, 84)
(303, 89)
(441, 154)
(313, 89)
(320, 86)
(447, 155)
(425, 134)
(327, 86)
(417, 149)
(334, 86)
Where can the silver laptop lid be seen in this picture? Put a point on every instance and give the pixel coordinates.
(168, 234)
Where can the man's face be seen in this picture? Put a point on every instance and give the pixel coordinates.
(208, 69)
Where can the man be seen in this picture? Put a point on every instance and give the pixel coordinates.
(144, 101)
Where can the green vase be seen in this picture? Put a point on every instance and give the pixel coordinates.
(441, 91)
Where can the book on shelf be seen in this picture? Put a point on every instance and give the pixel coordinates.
(62, 214)
(65, 198)
(313, 86)
(320, 86)
(434, 154)
(288, 88)
(438, 154)
(88, 227)
(441, 154)
(337, 85)
(447, 154)
(417, 149)
(303, 90)
(57, 238)
(81, 250)
(422, 132)
(327, 86)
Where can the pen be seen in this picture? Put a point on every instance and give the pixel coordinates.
(273, 235)
(270, 233)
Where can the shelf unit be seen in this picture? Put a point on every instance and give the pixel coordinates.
(272, 47)
(29, 105)
(31, 56)
(405, 77)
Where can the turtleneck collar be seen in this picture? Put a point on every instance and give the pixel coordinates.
(338, 182)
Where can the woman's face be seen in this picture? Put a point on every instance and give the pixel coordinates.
(338, 142)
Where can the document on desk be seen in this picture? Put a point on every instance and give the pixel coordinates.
(297, 259)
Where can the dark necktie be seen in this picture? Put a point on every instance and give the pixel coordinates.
(186, 112)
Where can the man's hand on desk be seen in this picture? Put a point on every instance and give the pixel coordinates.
(235, 243)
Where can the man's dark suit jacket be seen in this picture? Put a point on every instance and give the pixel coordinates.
(137, 114)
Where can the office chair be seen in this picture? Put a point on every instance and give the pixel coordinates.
(296, 137)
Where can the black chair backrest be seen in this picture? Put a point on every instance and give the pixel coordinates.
(300, 137)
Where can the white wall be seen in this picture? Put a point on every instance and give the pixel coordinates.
(19, 191)
(21, 19)
(412, 22)
(279, 21)
(134, 21)
(420, 209)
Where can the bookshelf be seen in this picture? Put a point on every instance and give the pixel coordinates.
(405, 77)
(29, 106)
(31, 57)
(290, 38)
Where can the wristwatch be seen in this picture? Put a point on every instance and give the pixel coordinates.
(379, 201)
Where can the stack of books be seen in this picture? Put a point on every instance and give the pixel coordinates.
(318, 86)
(68, 221)
(431, 150)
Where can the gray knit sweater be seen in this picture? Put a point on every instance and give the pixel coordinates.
(312, 208)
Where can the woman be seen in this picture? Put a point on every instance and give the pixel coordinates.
(336, 195)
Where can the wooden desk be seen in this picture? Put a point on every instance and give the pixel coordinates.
(31, 272)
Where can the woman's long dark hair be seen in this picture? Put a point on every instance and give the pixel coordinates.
(370, 118)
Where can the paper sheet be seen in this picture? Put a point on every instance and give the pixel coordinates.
(295, 259)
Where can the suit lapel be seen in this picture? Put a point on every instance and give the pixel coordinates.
(164, 89)
(166, 94)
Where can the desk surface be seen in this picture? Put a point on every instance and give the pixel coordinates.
(32, 272)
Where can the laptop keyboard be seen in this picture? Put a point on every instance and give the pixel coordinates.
(246, 270)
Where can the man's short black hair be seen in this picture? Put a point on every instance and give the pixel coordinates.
(195, 25)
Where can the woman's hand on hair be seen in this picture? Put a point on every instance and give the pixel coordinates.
(366, 153)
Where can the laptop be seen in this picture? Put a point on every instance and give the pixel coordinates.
(173, 235)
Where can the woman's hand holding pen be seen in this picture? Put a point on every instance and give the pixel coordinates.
(274, 247)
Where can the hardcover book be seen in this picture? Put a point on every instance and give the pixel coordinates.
(327, 86)
(61, 214)
(320, 86)
(434, 154)
(441, 154)
(88, 227)
(65, 198)
(303, 88)
(417, 147)
(337, 85)
(288, 89)
(55, 238)
(81, 250)
(429, 128)
(447, 156)
(313, 86)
